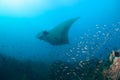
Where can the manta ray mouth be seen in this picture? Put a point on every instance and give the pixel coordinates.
(42, 35)
(38, 36)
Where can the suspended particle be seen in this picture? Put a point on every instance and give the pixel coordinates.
(67, 54)
(73, 58)
(83, 51)
(87, 59)
(77, 52)
(103, 34)
(81, 62)
(97, 26)
(74, 73)
(94, 35)
(81, 37)
(71, 50)
(76, 67)
(66, 67)
(116, 29)
(118, 22)
(99, 31)
(85, 48)
(68, 61)
(78, 48)
(68, 73)
(107, 34)
(76, 55)
(80, 65)
(58, 71)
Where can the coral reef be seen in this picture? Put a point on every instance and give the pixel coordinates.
(113, 71)
(83, 70)
(92, 69)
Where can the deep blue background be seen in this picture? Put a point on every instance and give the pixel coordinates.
(18, 34)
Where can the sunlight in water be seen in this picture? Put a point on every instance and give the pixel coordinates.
(21, 7)
(31, 7)
(13, 4)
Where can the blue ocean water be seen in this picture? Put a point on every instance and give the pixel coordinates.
(96, 33)
(18, 31)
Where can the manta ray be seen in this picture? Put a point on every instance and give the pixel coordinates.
(59, 34)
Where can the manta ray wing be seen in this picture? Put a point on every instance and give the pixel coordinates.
(59, 34)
